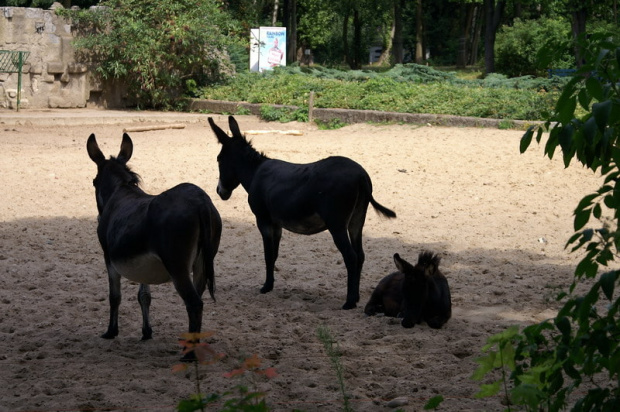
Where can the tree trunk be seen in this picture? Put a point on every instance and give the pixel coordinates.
(397, 32)
(388, 48)
(465, 41)
(357, 40)
(493, 16)
(473, 58)
(345, 39)
(419, 31)
(289, 13)
(578, 27)
(274, 17)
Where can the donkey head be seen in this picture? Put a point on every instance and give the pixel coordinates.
(112, 172)
(230, 160)
(415, 285)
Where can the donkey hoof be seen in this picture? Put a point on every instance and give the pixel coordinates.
(109, 335)
(407, 323)
(266, 289)
(349, 305)
(189, 357)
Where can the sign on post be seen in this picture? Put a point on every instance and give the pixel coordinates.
(271, 48)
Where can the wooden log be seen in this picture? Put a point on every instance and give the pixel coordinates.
(291, 132)
(154, 127)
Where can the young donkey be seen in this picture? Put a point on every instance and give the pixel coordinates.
(415, 293)
(153, 239)
(330, 194)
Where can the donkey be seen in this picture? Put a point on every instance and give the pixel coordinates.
(331, 194)
(153, 239)
(415, 293)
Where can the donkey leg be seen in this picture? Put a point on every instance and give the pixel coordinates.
(193, 304)
(341, 239)
(191, 298)
(355, 235)
(114, 280)
(144, 297)
(271, 235)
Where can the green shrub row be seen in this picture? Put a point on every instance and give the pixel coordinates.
(406, 88)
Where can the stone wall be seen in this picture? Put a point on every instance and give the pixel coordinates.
(51, 78)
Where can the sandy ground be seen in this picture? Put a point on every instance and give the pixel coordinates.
(498, 219)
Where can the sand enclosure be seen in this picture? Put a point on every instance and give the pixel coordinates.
(498, 219)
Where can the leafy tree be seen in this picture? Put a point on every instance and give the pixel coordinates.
(575, 357)
(517, 46)
(159, 50)
(45, 4)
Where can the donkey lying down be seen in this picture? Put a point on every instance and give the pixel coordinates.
(415, 293)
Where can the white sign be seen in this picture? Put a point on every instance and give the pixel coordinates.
(272, 47)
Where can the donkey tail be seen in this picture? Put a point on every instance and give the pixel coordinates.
(210, 233)
(378, 207)
(382, 209)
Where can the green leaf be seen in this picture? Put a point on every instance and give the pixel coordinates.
(527, 394)
(590, 130)
(597, 211)
(594, 87)
(608, 282)
(585, 202)
(433, 403)
(566, 110)
(488, 390)
(526, 139)
(586, 268)
(601, 112)
(552, 143)
(584, 99)
(581, 218)
(565, 137)
(563, 325)
(486, 365)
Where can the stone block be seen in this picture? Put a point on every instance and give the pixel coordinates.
(55, 67)
(76, 68)
(36, 68)
(66, 101)
(65, 78)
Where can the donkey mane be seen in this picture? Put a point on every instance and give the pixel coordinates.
(134, 178)
(428, 258)
(253, 156)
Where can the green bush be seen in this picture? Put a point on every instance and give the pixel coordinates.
(406, 88)
(517, 46)
(154, 51)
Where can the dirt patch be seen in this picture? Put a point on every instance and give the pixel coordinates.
(498, 219)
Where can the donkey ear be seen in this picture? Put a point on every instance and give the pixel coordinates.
(400, 263)
(234, 127)
(221, 135)
(93, 150)
(432, 267)
(126, 148)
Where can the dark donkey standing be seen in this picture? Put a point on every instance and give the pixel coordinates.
(331, 194)
(415, 293)
(153, 239)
